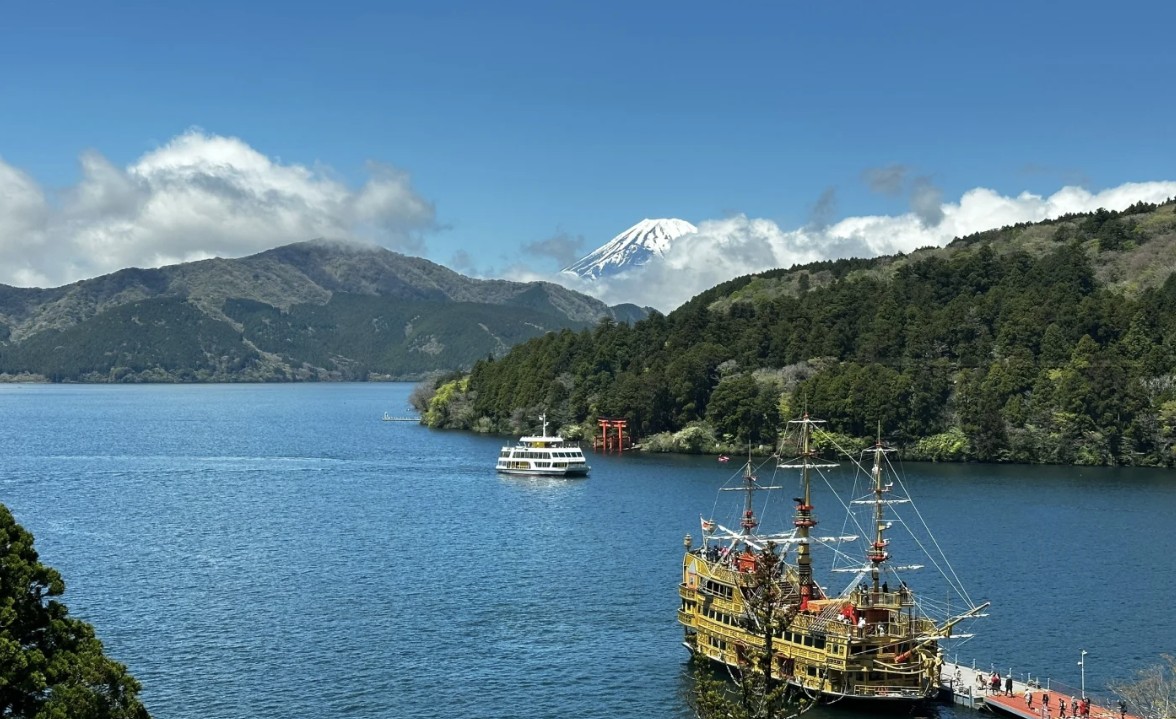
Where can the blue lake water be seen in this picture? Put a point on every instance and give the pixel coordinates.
(278, 551)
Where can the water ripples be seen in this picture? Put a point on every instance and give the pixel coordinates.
(277, 551)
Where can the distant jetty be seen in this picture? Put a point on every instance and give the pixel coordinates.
(389, 418)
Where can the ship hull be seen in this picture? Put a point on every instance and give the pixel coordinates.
(873, 703)
(576, 472)
(884, 660)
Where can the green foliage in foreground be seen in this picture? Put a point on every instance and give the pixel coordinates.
(1017, 345)
(757, 693)
(51, 665)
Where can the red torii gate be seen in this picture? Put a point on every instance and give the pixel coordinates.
(607, 442)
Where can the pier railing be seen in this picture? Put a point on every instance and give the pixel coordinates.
(963, 680)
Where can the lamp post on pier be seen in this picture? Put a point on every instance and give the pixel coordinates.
(1082, 667)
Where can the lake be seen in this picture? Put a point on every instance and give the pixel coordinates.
(279, 551)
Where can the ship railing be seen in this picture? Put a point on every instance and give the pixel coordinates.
(728, 575)
(713, 600)
(722, 574)
(886, 690)
(899, 625)
(883, 600)
(732, 606)
(731, 634)
(755, 641)
(718, 571)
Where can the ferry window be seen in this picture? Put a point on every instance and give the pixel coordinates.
(808, 641)
(819, 643)
(812, 671)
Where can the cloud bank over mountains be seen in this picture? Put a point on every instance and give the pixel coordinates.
(739, 245)
(204, 195)
(199, 196)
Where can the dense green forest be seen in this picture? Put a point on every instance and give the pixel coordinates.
(1052, 342)
(51, 664)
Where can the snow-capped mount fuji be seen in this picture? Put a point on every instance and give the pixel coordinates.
(634, 247)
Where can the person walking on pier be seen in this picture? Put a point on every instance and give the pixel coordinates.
(1028, 697)
(1009, 684)
(1062, 707)
(1045, 701)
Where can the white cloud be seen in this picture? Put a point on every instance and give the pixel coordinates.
(724, 249)
(197, 197)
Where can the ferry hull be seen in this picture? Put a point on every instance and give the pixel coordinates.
(545, 472)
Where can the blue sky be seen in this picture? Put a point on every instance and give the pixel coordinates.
(505, 139)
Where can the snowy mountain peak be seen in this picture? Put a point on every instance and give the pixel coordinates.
(634, 247)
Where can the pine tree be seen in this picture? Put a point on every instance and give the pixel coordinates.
(758, 694)
(51, 665)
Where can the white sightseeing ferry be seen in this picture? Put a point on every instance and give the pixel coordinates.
(544, 455)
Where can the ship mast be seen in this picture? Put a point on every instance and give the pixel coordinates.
(878, 554)
(748, 521)
(804, 519)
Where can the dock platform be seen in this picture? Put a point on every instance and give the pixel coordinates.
(1016, 706)
(962, 684)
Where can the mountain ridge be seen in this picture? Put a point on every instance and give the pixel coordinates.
(314, 282)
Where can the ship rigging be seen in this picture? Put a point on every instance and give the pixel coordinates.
(860, 638)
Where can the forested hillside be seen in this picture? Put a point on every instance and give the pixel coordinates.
(1052, 342)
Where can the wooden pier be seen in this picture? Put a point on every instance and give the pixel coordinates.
(962, 684)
